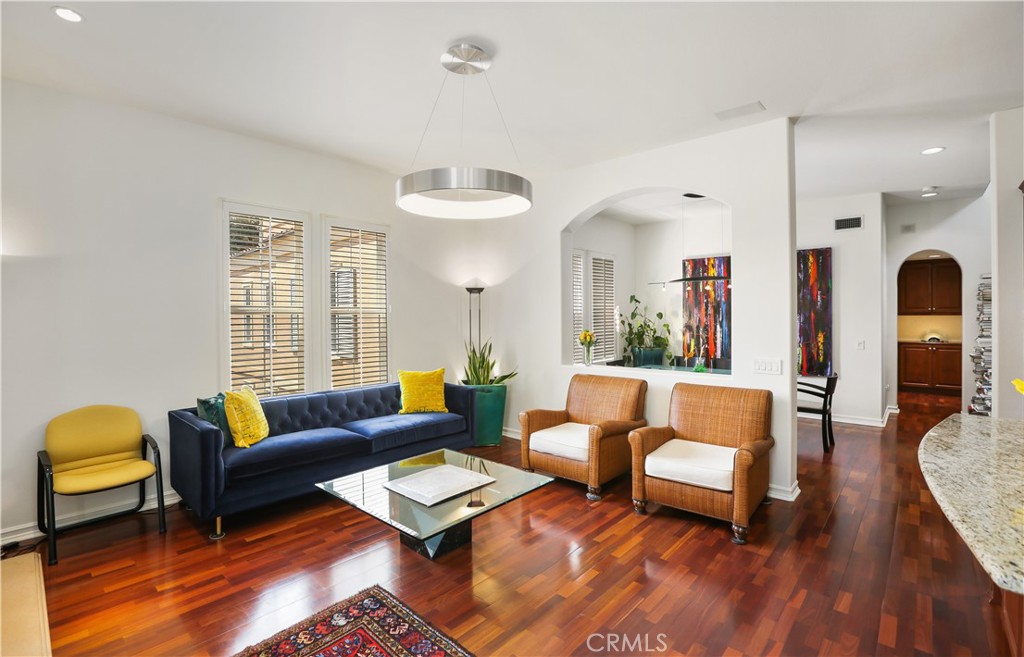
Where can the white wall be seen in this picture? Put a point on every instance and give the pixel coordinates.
(960, 227)
(111, 266)
(750, 170)
(1006, 152)
(858, 268)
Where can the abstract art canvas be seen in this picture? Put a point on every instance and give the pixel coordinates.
(814, 311)
(707, 309)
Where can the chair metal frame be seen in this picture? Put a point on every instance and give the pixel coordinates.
(825, 394)
(46, 516)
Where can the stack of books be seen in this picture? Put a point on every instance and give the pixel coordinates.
(981, 401)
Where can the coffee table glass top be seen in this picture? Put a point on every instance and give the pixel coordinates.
(365, 491)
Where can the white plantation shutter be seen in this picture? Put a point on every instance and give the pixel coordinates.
(602, 308)
(358, 307)
(265, 273)
(577, 306)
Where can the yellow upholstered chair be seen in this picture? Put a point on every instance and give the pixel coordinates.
(91, 449)
(712, 459)
(588, 440)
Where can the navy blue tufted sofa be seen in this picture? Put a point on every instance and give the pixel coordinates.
(313, 437)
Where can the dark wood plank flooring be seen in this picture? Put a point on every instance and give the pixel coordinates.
(863, 563)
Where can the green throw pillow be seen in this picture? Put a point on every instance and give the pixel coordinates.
(211, 409)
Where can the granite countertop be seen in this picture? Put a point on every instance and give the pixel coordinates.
(974, 467)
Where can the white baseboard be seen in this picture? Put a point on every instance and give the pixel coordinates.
(514, 434)
(30, 530)
(849, 419)
(782, 493)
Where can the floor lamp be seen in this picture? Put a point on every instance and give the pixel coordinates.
(474, 292)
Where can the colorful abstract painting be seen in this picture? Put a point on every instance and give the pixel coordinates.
(707, 309)
(814, 311)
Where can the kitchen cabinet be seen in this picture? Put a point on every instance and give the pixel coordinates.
(929, 287)
(930, 367)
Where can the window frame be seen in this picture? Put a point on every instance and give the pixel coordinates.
(587, 319)
(335, 221)
(228, 208)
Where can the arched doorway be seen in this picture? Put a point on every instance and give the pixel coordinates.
(930, 324)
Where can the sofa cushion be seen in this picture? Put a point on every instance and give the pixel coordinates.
(422, 392)
(390, 431)
(329, 409)
(570, 440)
(292, 449)
(245, 417)
(690, 462)
(211, 409)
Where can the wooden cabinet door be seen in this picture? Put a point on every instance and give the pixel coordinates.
(915, 366)
(915, 288)
(946, 287)
(946, 366)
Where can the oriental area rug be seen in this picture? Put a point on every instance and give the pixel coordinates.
(372, 623)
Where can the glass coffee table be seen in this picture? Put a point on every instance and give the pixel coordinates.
(440, 528)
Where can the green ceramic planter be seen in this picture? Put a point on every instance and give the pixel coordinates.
(648, 356)
(489, 409)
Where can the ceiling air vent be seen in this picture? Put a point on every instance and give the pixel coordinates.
(849, 223)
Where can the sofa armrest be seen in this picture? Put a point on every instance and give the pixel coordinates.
(642, 442)
(459, 400)
(197, 465)
(751, 452)
(605, 428)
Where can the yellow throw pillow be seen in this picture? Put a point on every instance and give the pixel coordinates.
(245, 417)
(422, 392)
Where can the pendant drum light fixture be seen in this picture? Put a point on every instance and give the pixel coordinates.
(464, 192)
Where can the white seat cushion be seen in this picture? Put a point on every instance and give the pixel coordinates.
(570, 440)
(688, 462)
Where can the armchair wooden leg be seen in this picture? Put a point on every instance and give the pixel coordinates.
(739, 535)
(640, 507)
(831, 434)
(824, 433)
(593, 493)
(218, 532)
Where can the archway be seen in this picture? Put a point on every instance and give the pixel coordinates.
(930, 324)
(638, 244)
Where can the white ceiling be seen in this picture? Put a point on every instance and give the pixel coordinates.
(871, 83)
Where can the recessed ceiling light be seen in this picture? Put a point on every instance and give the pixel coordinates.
(933, 150)
(929, 194)
(69, 15)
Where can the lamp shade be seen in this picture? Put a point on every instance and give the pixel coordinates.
(464, 193)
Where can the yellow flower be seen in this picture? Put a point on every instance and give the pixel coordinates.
(587, 337)
(1019, 385)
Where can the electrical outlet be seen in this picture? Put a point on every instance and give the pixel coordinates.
(861, 345)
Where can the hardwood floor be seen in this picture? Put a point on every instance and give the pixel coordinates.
(863, 563)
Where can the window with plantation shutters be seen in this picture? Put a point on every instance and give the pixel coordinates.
(577, 305)
(602, 307)
(265, 272)
(358, 324)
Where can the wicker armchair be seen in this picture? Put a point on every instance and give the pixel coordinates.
(588, 440)
(712, 459)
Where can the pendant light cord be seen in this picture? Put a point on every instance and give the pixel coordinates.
(412, 165)
(502, 116)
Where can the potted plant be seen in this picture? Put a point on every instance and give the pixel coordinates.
(644, 342)
(489, 404)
